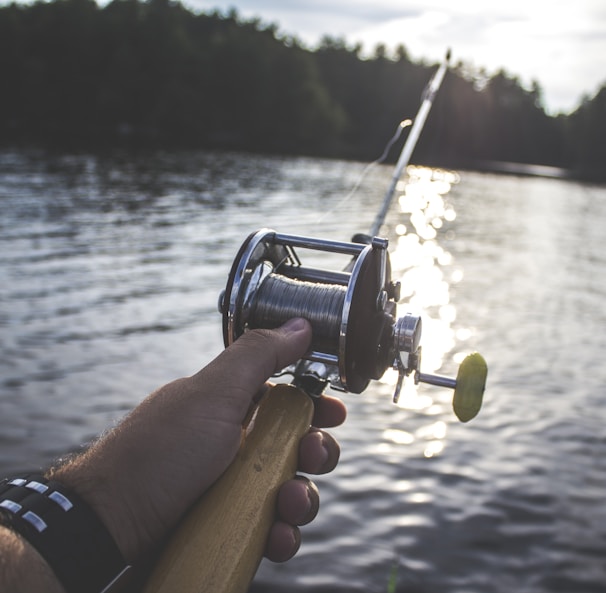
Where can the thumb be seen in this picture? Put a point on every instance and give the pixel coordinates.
(264, 352)
(258, 354)
(245, 365)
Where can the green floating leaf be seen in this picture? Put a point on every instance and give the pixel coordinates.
(471, 382)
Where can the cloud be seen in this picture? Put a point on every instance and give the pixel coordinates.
(313, 18)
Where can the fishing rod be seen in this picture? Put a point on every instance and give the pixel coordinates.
(356, 337)
(428, 96)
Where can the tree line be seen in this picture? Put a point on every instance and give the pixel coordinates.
(155, 74)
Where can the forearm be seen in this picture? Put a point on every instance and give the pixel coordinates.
(133, 477)
(120, 498)
(22, 569)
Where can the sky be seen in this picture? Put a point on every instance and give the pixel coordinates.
(562, 45)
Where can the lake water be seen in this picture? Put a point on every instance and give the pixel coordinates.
(110, 271)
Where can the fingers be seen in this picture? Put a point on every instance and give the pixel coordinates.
(236, 376)
(298, 503)
(283, 542)
(328, 411)
(318, 452)
(298, 499)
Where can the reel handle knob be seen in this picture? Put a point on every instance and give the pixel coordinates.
(468, 386)
(469, 391)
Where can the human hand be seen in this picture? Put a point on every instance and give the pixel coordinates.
(142, 476)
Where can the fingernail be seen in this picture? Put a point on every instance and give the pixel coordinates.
(313, 503)
(297, 540)
(295, 325)
(307, 513)
(324, 454)
(324, 458)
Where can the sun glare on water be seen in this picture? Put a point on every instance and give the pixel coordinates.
(427, 271)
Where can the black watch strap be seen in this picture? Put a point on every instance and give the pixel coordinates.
(65, 531)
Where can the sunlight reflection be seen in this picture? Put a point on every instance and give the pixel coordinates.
(439, 430)
(403, 485)
(424, 267)
(399, 437)
(410, 398)
(456, 276)
(434, 448)
(421, 262)
(420, 497)
(412, 520)
(434, 431)
(463, 334)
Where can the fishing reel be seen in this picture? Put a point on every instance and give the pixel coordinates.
(356, 334)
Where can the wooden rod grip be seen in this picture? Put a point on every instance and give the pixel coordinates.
(219, 544)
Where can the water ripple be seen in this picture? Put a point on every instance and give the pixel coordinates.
(111, 269)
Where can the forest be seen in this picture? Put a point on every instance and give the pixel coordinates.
(153, 74)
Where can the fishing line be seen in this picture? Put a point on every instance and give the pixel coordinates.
(401, 126)
(280, 298)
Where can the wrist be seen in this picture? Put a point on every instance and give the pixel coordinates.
(64, 530)
(102, 494)
(24, 569)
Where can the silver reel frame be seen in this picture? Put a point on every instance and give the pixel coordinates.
(368, 297)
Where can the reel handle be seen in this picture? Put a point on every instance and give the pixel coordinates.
(220, 542)
(468, 386)
(471, 378)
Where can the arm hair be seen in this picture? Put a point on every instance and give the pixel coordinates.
(22, 569)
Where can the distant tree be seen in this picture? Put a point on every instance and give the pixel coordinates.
(586, 128)
(380, 52)
(402, 54)
(153, 73)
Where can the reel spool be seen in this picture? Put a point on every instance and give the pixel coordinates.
(356, 335)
